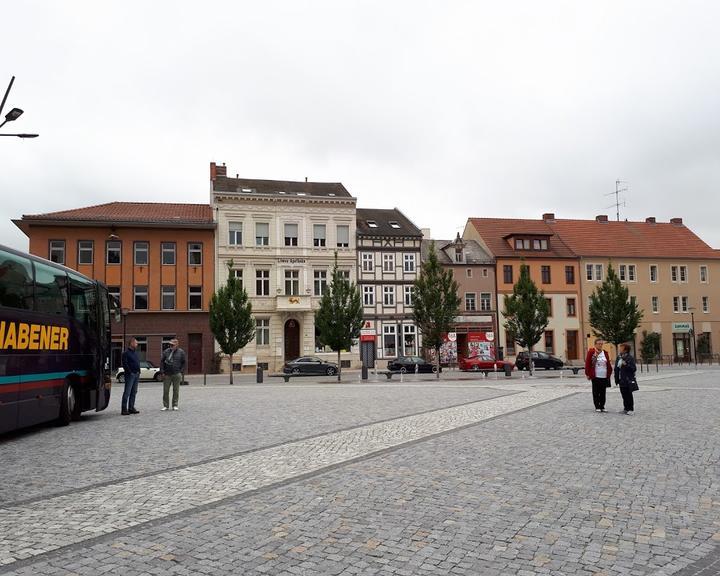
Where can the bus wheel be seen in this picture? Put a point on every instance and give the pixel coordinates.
(68, 404)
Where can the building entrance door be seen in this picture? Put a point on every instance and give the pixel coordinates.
(292, 339)
(681, 346)
(195, 354)
(571, 338)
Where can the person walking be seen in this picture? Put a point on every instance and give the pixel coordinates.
(598, 369)
(626, 369)
(173, 367)
(131, 373)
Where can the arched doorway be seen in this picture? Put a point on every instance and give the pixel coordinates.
(292, 339)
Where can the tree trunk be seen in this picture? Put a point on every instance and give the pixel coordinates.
(531, 366)
(231, 369)
(339, 365)
(437, 362)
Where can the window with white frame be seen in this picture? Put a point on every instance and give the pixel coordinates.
(141, 250)
(594, 272)
(388, 262)
(368, 261)
(344, 273)
(168, 297)
(653, 273)
(655, 304)
(262, 282)
(195, 298)
(167, 253)
(113, 252)
(485, 305)
(683, 303)
(292, 282)
(57, 251)
(291, 234)
(114, 291)
(343, 236)
(703, 274)
(598, 272)
(388, 295)
(632, 273)
(140, 297)
(195, 254)
(85, 251)
(319, 235)
(468, 272)
(589, 272)
(683, 274)
(673, 273)
(409, 295)
(320, 282)
(389, 340)
(409, 340)
(235, 233)
(262, 234)
(409, 262)
(470, 303)
(262, 331)
(706, 304)
(368, 295)
(622, 272)
(676, 303)
(237, 273)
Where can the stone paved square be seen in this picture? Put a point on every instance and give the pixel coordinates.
(460, 476)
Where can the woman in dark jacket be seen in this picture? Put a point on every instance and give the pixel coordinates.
(626, 378)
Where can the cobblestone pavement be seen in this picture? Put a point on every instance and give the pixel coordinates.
(509, 484)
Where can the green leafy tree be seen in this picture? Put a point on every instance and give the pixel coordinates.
(231, 320)
(526, 313)
(650, 346)
(435, 303)
(340, 316)
(614, 317)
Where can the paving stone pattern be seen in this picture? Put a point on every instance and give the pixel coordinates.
(554, 489)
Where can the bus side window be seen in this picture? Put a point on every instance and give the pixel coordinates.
(16, 284)
(50, 289)
(82, 299)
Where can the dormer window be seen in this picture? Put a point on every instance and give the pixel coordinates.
(522, 244)
(372, 224)
(394, 224)
(527, 243)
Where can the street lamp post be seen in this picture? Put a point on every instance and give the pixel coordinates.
(692, 327)
(13, 115)
(124, 312)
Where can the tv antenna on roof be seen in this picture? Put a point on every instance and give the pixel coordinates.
(618, 189)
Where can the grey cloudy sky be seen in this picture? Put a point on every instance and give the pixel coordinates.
(444, 109)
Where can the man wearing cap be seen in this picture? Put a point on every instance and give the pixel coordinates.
(172, 366)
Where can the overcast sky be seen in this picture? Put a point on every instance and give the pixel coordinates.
(445, 109)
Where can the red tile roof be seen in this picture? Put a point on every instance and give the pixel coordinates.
(131, 212)
(589, 238)
(494, 232)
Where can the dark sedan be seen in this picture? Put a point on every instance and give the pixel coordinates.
(410, 363)
(310, 365)
(540, 360)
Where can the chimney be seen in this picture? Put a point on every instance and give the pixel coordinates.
(601, 218)
(425, 233)
(216, 170)
(549, 217)
(676, 221)
(650, 219)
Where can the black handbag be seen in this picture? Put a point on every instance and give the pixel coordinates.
(634, 385)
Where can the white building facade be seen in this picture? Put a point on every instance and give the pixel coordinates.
(282, 238)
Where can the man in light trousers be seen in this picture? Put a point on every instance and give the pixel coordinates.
(173, 367)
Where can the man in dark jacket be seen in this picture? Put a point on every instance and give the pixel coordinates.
(131, 373)
(172, 366)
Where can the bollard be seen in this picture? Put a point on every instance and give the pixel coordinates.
(204, 378)
(508, 371)
(259, 375)
(364, 372)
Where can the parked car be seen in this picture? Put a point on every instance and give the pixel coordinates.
(148, 371)
(540, 360)
(310, 365)
(409, 363)
(483, 362)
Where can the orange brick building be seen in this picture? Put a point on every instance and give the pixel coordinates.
(157, 259)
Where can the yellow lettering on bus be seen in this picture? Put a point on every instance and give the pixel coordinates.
(45, 337)
(22, 336)
(10, 336)
(2, 334)
(34, 337)
(55, 338)
(64, 332)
